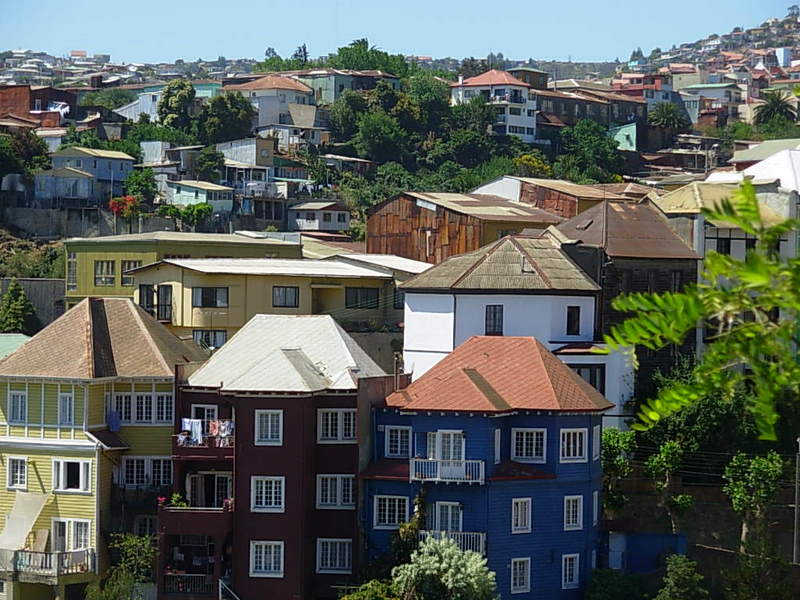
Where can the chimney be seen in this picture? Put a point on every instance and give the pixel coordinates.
(460, 79)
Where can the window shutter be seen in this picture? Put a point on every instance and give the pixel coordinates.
(56, 474)
(86, 469)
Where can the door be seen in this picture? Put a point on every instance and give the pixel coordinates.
(448, 516)
(195, 490)
(450, 450)
(223, 488)
(164, 308)
(59, 536)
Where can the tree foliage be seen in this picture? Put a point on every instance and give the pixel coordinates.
(174, 108)
(144, 131)
(760, 573)
(110, 98)
(379, 137)
(209, 164)
(125, 578)
(668, 115)
(682, 581)
(345, 113)
(776, 106)
(613, 584)
(588, 155)
(615, 456)
(9, 161)
(226, 117)
(17, 314)
(141, 183)
(661, 467)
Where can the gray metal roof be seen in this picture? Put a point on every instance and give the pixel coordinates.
(288, 267)
(287, 353)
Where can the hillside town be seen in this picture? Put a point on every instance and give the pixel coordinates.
(374, 326)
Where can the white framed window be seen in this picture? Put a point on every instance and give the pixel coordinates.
(336, 425)
(573, 513)
(266, 558)
(336, 492)
(334, 555)
(389, 511)
(269, 428)
(18, 407)
(267, 494)
(66, 409)
(520, 575)
(121, 404)
(595, 506)
(529, 445)
(569, 571)
(573, 445)
(145, 525)
(73, 476)
(146, 471)
(17, 472)
(144, 408)
(521, 515)
(596, 441)
(398, 441)
(165, 408)
(70, 534)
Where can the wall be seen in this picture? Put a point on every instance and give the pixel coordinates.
(428, 331)
(298, 220)
(46, 295)
(505, 187)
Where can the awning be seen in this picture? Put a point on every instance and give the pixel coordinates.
(26, 509)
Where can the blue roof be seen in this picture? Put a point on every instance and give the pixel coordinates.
(9, 342)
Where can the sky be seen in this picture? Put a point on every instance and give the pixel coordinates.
(165, 30)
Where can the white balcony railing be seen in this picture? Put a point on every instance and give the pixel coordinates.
(50, 564)
(189, 584)
(449, 471)
(466, 540)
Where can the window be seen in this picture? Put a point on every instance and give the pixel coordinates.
(594, 375)
(142, 471)
(269, 428)
(573, 320)
(144, 408)
(521, 515)
(497, 438)
(72, 271)
(70, 534)
(311, 216)
(390, 511)
(569, 571)
(286, 297)
(147, 294)
(72, 475)
(266, 559)
(145, 525)
(104, 272)
(595, 506)
(207, 297)
(327, 217)
(18, 411)
(529, 445)
(336, 425)
(65, 409)
(360, 297)
(335, 491)
(266, 494)
(398, 441)
(675, 281)
(724, 246)
(341, 217)
(37, 104)
(334, 555)
(494, 319)
(17, 474)
(573, 513)
(596, 440)
(210, 338)
(127, 265)
(573, 445)
(520, 575)
(399, 299)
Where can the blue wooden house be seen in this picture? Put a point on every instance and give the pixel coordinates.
(502, 441)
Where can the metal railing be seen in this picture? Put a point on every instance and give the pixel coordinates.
(49, 563)
(455, 471)
(226, 593)
(466, 540)
(188, 584)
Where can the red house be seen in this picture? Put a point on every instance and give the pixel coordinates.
(266, 452)
(46, 105)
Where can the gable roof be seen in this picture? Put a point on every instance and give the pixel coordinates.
(491, 77)
(287, 353)
(500, 374)
(269, 82)
(201, 185)
(94, 152)
(101, 337)
(693, 197)
(485, 207)
(584, 192)
(286, 267)
(765, 150)
(513, 263)
(627, 229)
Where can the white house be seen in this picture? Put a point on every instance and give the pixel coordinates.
(271, 95)
(320, 215)
(186, 192)
(514, 105)
(516, 286)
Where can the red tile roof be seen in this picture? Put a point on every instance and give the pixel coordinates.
(493, 77)
(269, 82)
(500, 374)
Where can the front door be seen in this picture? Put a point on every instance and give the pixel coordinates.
(59, 536)
(448, 516)
(451, 454)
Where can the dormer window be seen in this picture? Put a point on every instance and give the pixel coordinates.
(494, 319)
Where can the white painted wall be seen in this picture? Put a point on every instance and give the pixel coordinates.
(505, 187)
(428, 330)
(619, 382)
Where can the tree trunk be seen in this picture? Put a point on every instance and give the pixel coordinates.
(745, 532)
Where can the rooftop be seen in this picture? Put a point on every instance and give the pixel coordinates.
(491, 77)
(783, 165)
(584, 192)
(269, 82)
(287, 353)
(318, 205)
(286, 267)
(202, 185)
(765, 150)
(487, 207)
(387, 261)
(182, 237)
(498, 374)
(72, 150)
(10, 342)
(692, 198)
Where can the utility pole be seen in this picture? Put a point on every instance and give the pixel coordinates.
(796, 545)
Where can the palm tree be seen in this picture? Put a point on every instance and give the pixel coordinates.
(776, 106)
(668, 115)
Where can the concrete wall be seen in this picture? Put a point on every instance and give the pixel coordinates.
(76, 222)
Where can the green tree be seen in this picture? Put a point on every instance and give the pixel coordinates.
(776, 106)
(110, 98)
(301, 55)
(533, 164)
(760, 573)
(439, 570)
(175, 106)
(345, 113)
(209, 164)
(668, 115)
(469, 148)
(682, 581)
(750, 348)
(612, 584)
(373, 590)
(588, 154)
(145, 131)
(475, 115)
(195, 214)
(124, 580)
(359, 55)
(9, 161)
(31, 150)
(228, 116)
(380, 138)
(142, 184)
(433, 98)
(752, 484)
(17, 314)
(661, 467)
(615, 456)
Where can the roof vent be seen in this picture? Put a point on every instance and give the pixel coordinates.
(585, 225)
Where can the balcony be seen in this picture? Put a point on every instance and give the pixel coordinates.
(189, 520)
(446, 471)
(508, 98)
(466, 540)
(46, 567)
(176, 583)
(248, 187)
(215, 442)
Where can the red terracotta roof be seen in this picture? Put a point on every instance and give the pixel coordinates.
(500, 374)
(493, 77)
(269, 82)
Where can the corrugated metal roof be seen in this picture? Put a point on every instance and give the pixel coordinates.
(692, 198)
(783, 165)
(765, 150)
(288, 267)
(488, 207)
(317, 205)
(511, 263)
(203, 185)
(66, 172)
(388, 261)
(183, 237)
(287, 353)
(586, 192)
(93, 152)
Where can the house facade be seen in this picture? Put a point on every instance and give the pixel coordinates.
(186, 192)
(291, 530)
(319, 216)
(498, 445)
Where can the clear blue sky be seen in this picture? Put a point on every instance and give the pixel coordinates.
(164, 30)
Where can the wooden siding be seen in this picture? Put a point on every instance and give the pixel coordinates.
(553, 201)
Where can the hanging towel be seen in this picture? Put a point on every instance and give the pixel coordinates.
(186, 424)
(213, 428)
(113, 420)
(196, 429)
(224, 428)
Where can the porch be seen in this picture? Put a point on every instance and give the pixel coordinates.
(446, 471)
(30, 566)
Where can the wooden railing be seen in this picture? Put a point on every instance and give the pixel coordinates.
(49, 563)
(189, 584)
(452, 471)
(466, 540)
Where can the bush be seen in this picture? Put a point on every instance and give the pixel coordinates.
(610, 584)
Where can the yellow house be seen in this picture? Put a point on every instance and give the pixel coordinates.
(210, 299)
(86, 418)
(96, 267)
